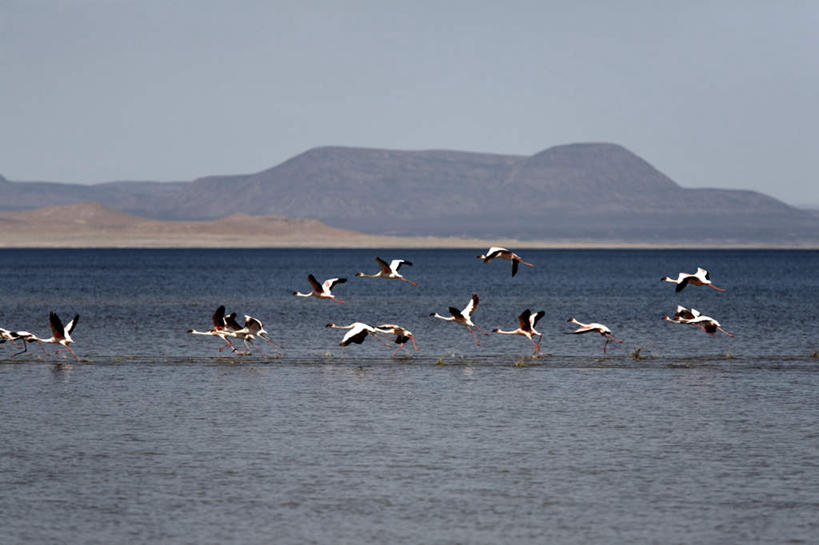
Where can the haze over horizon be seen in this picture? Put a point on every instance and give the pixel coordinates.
(712, 95)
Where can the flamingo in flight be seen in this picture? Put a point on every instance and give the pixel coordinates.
(219, 328)
(695, 318)
(358, 331)
(464, 317)
(322, 291)
(253, 329)
(682, 315)
(699, 278)
(527, 321)
(61, 334)
(389, 271)
(503, 253)
(22, 336)
(594, 327)
(402, 335)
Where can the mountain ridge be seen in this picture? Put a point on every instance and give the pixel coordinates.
(583, 191)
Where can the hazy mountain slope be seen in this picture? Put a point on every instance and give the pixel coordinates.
(590, 191)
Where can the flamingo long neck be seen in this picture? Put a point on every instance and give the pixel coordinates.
(515, 332)
(447, 318)
(300, 294)
(334, 326)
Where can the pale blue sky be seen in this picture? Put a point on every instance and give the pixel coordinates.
(714, 94)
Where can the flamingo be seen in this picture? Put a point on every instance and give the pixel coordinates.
(322, 291)
(22, 336)
(708, 324)
(256, 329)
(389, 271)
(252, 329)
(464, 317)
(503, 253)
(682, 315)
(7, 335)
(695, 318)
(599, 328)
(219, 328)
(233, 329)
(358, 332)
(402, 335)
(61, 334)
(699, 278)
(527, 327)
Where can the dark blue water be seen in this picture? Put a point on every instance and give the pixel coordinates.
(156, 437)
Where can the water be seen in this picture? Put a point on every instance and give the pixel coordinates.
(156, 437)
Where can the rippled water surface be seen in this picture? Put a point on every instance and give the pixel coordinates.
(156, 437)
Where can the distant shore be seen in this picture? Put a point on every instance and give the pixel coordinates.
(91, 225)
(360, 242)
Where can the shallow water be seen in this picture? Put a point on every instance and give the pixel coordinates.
(156, 437)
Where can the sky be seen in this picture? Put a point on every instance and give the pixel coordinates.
(713, 94)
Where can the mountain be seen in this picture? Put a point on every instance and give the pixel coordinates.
(580, 192)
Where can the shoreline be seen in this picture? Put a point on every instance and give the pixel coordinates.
(429, 243)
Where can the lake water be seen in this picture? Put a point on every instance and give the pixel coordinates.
(157, 437)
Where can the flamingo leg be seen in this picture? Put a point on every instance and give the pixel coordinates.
(415, 346)
(481, 330)
(25, 349)
(270, 341)
(716, 288)
(725, 332)
(64, 348)
(397, 350)
(43, 347)
(230, 344)
(522, 262)
(379, 339)
(473, 336)
(537, 346)
(337, 300)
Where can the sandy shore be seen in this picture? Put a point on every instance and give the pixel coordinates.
(90, 225)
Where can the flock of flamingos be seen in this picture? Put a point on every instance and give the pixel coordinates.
(226, 327)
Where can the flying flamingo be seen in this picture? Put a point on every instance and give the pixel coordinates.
(527, 327)
(599, 328)
(389, 271)
(253, 329)
(235, 330)
(358, 332)
(219, 328)
(256, 329)
(7, 335)
(464, 317)
(61, 335)
(695, 318)
(699, 278)
(22, 336)
(503, 253)
(322, 291)
(402, 335)
(708, 324)
(682, 315)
